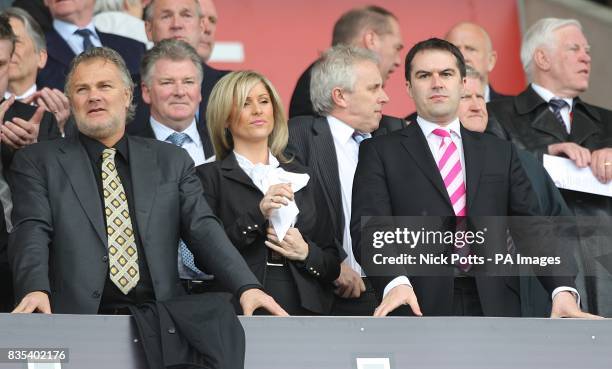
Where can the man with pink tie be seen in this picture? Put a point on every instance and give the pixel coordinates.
(436, 167)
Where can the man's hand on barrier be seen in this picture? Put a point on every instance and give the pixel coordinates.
(349, 284)
(254, 298)
(399, 295)
(34, 301)
(564, 305)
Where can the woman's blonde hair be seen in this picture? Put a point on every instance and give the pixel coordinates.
(227, 99)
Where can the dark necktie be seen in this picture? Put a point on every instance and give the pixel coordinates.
(86, 35)
(178, 139)
(360, 137)
(556, 106)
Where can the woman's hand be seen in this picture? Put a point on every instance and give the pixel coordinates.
(277, 196)
(293, 246)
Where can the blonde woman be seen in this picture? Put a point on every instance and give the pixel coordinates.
(256, 191)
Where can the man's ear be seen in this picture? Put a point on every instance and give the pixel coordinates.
(369, 39)
(492, 61)
(42, 59)
(146, 95)
(541, 59)
(409, 88)
(339, 97)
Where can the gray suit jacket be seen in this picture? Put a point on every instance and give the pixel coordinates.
(60, 245)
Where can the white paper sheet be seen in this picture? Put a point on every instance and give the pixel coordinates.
(568, 176)
(373, 363)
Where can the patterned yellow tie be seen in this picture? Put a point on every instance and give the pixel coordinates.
(121, 243)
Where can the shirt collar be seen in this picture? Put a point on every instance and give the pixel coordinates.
(487, 93)
(247, 165)
(162, 131)
(95, 148)
(29, 92)
(66, 29)
(547, 95)
(341, 131)
(428, 127)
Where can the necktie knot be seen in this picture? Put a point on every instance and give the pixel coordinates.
(177, 138)
(441, 132)
(109, 154)
(86, 35)
(360, 137)
(557, 104)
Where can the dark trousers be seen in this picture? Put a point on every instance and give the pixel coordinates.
(466, 301)
(362, 306)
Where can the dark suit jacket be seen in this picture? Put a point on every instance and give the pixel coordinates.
(312, 144)
(300, 99)
(398, 176)
(527, 121)
(140, 123)
(53, 75)
(60, 244)
(48, 130)
(235, 200)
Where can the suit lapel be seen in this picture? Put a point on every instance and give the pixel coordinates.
(530, 102)
(583, 125)
(231, 170)
(58, 48)
(77, 166)
(145, 175)
(415, 143)
(474, 156)
(327, 164)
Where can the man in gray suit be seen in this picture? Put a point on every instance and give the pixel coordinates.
(97, 218)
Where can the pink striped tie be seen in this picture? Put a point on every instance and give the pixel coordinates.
(451, 172)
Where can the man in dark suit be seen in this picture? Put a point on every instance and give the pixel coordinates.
(187, 25)
(348, 98)
(72, 252)
(73, 32)
(549, 117)
(436, 167)
(24, 125)
(371, 27)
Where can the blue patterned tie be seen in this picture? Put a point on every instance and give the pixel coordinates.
(86, 35)
(360, 137)
(557, 105)
(178, 139)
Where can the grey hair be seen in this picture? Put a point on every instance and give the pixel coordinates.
(175, 50)
(148, 13)
(335, 69)
(108, 55)
(32, 28)
(541, 34)
(470, 72)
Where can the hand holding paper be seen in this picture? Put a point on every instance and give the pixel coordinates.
(568, 176)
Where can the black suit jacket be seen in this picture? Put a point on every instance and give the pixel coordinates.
(300, 99)
(140, 123)
(235, 200)
(60, 244)
(398, 176)
(48, 130)
(527, 121)
(54, 73)
(312, 144)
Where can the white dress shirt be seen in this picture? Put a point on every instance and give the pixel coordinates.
(347, 154)
(29, 92)
(66, 30)
(434, 146)
(566, 111)
(193, 145)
